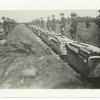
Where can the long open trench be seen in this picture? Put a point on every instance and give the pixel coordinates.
(27, 52)
(86, 82)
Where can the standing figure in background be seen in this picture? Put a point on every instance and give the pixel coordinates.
(0, 25)
(8, 25)
(62, 23)
(1, 31)
(73, 26)
(53, 23)
(87, 22)
(48, 24)
(68, 20)
(42, 22)
(4, 24)
(12, 23)
(37, 22)
(97, 21)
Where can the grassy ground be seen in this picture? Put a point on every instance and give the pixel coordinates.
(84, 34)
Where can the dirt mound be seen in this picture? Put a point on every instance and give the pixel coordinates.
(25, 64)
(24, 39)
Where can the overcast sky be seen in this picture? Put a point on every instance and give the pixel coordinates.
(48, 4)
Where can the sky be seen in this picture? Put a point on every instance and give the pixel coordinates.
(48, 4)
(26, 10)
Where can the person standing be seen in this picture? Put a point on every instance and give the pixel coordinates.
(8, 25)
(53, 23)
(48, 23)
(97, 21)
(73, 26)
(42, 22)
(12, 24)
(62, 23)
(4, 24)
(87, 22)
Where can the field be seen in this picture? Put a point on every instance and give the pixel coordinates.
(90, 35)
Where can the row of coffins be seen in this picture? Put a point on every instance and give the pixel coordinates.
(83, 57)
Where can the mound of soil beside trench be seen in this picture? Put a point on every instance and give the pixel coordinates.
(25, 64)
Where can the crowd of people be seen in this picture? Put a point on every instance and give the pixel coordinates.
(6, 25)
(51, 23)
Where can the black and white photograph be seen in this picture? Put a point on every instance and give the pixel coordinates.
(50, 48)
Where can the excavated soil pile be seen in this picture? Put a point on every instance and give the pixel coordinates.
(25, 64)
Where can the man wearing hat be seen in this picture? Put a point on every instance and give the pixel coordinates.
(4, 24)
(62, 23)
(73, 26)
(42, 22)
(8, 24)
(97, 21)
(48, 23)
(53, 23)
(99, 12)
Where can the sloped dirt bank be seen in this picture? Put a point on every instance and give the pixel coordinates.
(24, 63)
